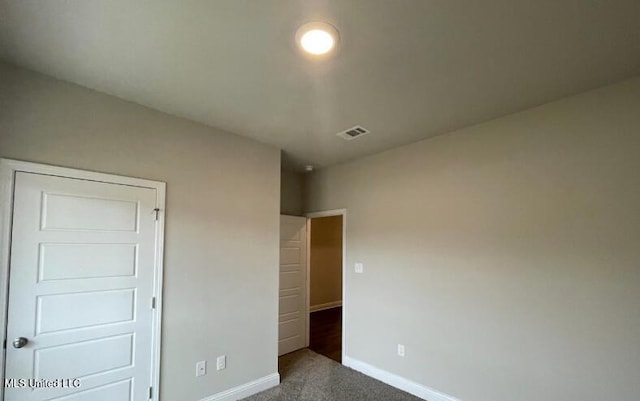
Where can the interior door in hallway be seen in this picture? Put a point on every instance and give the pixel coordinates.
(293, 316)
(81, 283)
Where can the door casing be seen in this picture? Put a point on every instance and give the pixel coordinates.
(8, 169)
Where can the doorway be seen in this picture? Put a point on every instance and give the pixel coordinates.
(81, 269)
(326, 283)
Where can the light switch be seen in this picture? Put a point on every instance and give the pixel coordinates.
(221, 362)
(359, 267)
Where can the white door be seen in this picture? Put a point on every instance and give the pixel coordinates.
(292, 331)
(80, 289)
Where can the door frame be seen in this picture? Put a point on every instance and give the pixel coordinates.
(8, 170)
(328, 213)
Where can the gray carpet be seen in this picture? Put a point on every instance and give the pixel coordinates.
(307, 376)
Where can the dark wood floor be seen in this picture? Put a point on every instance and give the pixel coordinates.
(325, 336)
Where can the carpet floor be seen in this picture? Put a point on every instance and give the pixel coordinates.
(307, 376)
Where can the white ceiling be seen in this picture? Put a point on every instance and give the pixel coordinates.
(406, 69)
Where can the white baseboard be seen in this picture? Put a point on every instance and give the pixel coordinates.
(328, 305)
(247, 389)
(396, 381)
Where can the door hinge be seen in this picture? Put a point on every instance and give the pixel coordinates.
(157, 212)
(150, 393)
(153, 302)
(4, 344)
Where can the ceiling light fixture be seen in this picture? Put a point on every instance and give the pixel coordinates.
(317, 39)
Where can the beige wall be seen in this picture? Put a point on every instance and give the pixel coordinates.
(291, 193)
(325, 260)
(221, 244)
(505, 256)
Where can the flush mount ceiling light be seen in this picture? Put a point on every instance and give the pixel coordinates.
(317, 39)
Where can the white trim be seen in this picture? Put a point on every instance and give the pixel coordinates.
(46, 169)
(328, 305)
(6, 205)
(247, 389)
(396, 381)
(8, 169)
(307, 330)
(156, 338)
(327, 213)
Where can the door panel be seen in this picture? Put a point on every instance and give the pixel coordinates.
(61, 361)
(74, 213)
(109, 392)
(90, 309)
(69, 261)
(81, 282)
(292, 331)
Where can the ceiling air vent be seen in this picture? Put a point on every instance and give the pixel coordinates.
(353, 133)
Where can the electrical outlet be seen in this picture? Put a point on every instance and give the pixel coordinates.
(400, 350)
(359, 267)
(221, 362)
(201, 368)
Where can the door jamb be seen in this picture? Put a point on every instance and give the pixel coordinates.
(328, 213)
(8, 170)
